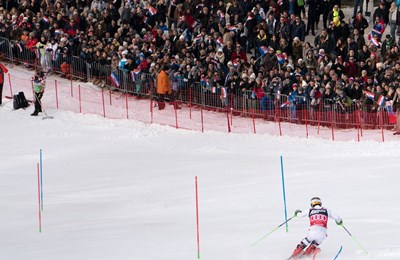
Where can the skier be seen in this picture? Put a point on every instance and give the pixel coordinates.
(38, 89)
(318, 227)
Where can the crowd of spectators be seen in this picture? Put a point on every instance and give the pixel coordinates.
(238, 46)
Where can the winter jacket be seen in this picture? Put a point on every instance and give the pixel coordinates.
(163, 83)
(3, 70)
(38, 86)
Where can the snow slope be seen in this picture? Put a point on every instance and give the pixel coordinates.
(121, 189)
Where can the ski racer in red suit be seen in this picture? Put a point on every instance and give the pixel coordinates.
(318, 226)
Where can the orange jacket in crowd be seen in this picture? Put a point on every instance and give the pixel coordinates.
(163, 83)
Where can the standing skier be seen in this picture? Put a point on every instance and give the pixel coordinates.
(318, 226)
(38, 89)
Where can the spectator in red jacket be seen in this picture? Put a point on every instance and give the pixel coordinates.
(3, 70)
(31, 42)
(351, 68)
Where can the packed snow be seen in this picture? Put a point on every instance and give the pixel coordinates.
(123, 189)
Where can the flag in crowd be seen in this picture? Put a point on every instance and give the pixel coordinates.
(223, 92)
(381, 101)
(198, 39)
(54, 55)
(135, 74)
(114, 79)
(214, 89)
(281, 57)
(221, 16)
(37, 53)
(369, 95)
(391, 114)
(204, 81)
(231, 28)
(249, 18)
(263, 50)
(220, 42)
(375, 42)
(152, 11)
(19, 47)
(195, 24)
(285, 104)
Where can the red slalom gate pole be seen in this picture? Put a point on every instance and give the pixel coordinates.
(197, 219)
(9, 82)
(126, 106)
(190, 103)
(202, 119)
(176, 114)
(80, 99)
(279, 121)
(72, 88)
(381, 123)
(56, 90)
(227, 118)
(111, 98)
(305, 117)
(254, 122)
(231, 115)
(319, 117)
(104, 105)
(357, 125)
(333, 134)
(359, 120)
(40, 213)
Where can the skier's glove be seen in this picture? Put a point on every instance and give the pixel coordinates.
(297, 212)
(339, 222)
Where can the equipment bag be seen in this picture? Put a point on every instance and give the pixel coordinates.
(19, 101)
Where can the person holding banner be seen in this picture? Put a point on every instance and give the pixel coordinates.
(3, 70)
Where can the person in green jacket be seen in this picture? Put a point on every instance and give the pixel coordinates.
(38, 88)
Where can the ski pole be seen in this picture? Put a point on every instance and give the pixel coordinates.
(355, 240)
(273, 230)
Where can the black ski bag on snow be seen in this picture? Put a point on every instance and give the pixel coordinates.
(20, 101)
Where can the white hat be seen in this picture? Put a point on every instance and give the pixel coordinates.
(125, 52)
(253, 76)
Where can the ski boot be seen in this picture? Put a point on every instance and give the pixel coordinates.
(312, 250)
(298, 252)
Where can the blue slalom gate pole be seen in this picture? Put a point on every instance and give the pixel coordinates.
(41, 180)
(284, 194)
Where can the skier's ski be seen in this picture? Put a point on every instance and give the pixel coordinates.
(303, 256)
(9, 97)
(338, 253)
(316, 251)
